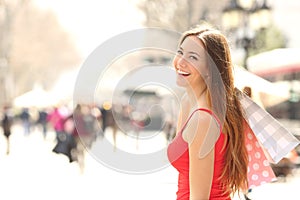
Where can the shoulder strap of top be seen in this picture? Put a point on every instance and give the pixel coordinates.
(205, 110)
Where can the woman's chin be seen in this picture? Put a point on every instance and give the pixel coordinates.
(181, 82)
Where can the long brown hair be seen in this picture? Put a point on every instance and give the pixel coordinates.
(223, 99)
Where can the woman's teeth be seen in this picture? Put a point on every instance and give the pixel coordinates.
(183, 73)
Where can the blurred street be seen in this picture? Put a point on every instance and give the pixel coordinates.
(32, 171)
(53, 58)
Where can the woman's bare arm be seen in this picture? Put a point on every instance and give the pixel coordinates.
(201, 125)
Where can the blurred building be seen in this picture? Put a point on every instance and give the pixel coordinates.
(282, 67)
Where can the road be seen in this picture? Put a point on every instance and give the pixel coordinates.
(33, 171)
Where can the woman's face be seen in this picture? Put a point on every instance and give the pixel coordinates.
(190, 63)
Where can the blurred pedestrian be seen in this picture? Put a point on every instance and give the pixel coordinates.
(81, 135)
(26, 120)
(108, 120)
(42, 120)
(6, 122)
(65, 143)
(209, 150)
(56, 119)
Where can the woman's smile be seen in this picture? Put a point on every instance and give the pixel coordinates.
(183, 73)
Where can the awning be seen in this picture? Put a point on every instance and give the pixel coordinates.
(284, 60)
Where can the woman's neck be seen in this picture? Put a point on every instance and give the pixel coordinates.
(197, 98)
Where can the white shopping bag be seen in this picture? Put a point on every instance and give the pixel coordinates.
(275, 139)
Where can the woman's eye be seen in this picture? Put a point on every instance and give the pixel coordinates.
(194, 57)
(179, 52)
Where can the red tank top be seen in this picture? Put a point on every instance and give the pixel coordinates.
(178, 155)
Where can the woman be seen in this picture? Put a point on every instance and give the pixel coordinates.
(209, 149)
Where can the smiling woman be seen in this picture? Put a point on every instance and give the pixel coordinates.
(209, 149)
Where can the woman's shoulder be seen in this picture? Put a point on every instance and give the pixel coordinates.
(199, 122)
(201, 116)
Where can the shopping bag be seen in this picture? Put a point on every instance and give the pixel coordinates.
(276, 140)
(259, 169)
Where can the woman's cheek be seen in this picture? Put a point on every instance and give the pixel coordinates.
(175, 60)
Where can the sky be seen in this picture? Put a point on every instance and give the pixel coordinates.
(91, 22)
(286, 16)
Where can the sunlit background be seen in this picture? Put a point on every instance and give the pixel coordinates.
(43, 44)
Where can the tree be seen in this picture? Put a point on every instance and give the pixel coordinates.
(180, 15)
(268, 39)
(35, 45)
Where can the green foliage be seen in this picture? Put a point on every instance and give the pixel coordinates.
(268, 39)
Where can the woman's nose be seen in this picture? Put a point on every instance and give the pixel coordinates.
(181, 61)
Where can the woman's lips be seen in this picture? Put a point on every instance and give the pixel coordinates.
(183, 73)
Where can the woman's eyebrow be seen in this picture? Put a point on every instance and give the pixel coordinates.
(190, 52)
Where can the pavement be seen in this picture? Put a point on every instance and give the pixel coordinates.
(32, 171)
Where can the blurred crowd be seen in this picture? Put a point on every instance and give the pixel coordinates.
(77, 128)
(74, 130)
